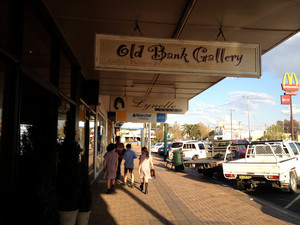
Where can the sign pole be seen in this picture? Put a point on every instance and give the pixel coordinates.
(165, 141)
(291, 89)
(292, 120)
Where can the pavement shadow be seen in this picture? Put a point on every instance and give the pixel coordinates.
(99, 213)
(153, 212)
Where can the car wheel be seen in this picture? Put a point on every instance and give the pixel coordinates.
(195, 157)
(293, 182)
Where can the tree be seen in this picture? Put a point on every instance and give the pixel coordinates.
(203, 131)
(274, 132)
(191, 130)
(176, 131)
(286, 124)
(159, 132)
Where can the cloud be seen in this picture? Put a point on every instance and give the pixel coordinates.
(296, 110)
(242, 99)
(284, 58)
(237, 100)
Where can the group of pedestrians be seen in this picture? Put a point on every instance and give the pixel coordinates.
(112, 165)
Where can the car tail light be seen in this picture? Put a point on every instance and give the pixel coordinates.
(274, 177)
(229, 175)
(183, 155)
(180, 149)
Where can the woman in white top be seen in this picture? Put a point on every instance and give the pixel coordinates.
(145, 166)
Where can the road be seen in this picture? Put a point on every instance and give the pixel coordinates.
(270, 195)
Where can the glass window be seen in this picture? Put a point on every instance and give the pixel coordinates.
(177, 145)
(293, 147)
(201, 146)
(65, 74)
(298, 146)
(101, 142)
(92, 144)
(193, 147)
(63, 108)
(36, 44)
(81, 133)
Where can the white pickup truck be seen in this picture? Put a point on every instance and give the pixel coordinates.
(274, 163)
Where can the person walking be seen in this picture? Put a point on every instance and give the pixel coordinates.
(145, 165)
(110, 166)
(120, 150)
(129, 157)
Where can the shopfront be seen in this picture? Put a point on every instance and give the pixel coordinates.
(57, 62)
(40, 83)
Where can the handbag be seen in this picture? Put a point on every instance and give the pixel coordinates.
(152, 171)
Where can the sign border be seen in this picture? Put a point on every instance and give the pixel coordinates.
(128, 68)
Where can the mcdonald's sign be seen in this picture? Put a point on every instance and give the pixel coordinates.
(285, 99)
(290, 86)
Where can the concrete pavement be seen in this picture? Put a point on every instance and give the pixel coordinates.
(181, 198)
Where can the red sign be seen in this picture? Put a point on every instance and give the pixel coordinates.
(285, 99)
(290, 86)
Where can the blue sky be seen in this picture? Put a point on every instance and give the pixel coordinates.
(261, 95)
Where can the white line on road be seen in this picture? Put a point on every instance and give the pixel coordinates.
(292, 202)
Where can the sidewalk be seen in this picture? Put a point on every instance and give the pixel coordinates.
(178, 198)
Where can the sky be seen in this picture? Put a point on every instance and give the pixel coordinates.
(232, 97)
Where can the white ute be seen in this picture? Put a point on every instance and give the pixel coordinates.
(265, 163)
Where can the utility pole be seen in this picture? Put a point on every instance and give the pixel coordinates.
(292, 120)
(247, 96)
(231, 122)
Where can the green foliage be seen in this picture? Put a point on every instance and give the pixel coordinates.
(274, 132)
(176, 131)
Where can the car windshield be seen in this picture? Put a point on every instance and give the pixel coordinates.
(177, 145)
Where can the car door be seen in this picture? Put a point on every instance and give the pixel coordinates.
(295, 146)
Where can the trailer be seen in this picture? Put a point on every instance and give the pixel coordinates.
(215, 156)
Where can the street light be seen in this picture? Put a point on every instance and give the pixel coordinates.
(231, 121)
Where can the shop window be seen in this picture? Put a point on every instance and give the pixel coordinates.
(81, 127)
(92, 144)
(36, 44)
(65, 74)
(64, 107)
(101, 143)
(37, 156)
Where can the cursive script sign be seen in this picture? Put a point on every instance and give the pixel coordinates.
(177, 56)
(149, 105)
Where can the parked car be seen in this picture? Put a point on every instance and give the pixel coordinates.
(191, 150)
(161, 151)
(156, 146)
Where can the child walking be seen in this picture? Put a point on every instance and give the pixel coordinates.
(145, 165)
(129, 157)
(110, 165)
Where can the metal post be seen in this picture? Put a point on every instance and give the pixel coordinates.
(165, 140)
(292, 120)
(149, 140)
(247, 96)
